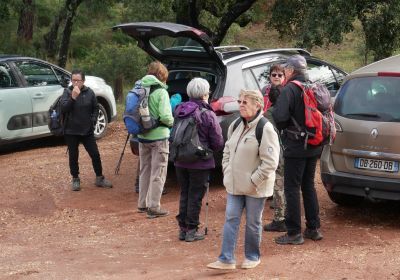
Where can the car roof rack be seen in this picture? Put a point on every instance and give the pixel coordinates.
(231, 48)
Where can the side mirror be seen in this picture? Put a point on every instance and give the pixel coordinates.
(65, 81)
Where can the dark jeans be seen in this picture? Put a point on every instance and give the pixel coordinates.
(299, 174)
(193, 187)
(89, 142)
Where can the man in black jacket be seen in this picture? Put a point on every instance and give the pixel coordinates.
(80, 105)
(300, 161)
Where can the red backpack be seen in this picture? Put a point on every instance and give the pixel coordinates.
(319, 119)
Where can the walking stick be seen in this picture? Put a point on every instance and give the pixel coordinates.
(206, 223)
(120, 158)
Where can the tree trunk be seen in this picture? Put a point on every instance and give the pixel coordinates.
(118, 88)
(26, 19)
(50, 38)
(71, 7)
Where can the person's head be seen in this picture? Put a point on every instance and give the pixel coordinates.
(276, 74)
(77, 78)
(295, 65)
(250, 103)
(158, 69)
(198, 88)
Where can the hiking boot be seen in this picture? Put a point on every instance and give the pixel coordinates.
(248, 264)
(221, 265)
(296, 239)
(313, 234)
(278, 226)
(142, 209)
(76, 184)
(102, 182)
(193, 235)
(155, 213)
(182, 234)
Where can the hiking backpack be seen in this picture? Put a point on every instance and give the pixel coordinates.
(185, 145)
(137, 117)
(56, 119)
(259, 128)
(319, 119)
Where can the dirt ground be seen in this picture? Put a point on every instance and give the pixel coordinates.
(49, 232)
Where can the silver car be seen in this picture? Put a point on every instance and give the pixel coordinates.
(364, 160)
(29, 86)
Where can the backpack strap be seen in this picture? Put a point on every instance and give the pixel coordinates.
(259, 128)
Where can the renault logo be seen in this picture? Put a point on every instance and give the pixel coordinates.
(374, 133)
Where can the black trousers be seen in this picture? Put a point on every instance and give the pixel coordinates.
(193, 187)
(299, 174)
(89, 142)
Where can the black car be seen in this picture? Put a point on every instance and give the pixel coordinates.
(188, 52)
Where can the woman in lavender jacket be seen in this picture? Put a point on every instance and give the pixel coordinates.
(193, 177)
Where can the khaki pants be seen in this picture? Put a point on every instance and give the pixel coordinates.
(153, 172)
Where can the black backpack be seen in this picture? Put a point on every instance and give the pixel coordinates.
(56, 119)
(259, 127)
(185, 144)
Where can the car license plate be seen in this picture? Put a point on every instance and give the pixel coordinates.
(377, 164)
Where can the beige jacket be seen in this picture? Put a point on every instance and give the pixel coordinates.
(249, 169)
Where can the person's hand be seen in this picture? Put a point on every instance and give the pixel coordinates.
(75, 92)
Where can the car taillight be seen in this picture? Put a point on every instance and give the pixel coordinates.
(225, 105)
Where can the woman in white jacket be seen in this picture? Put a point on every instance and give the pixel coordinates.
(249, 175)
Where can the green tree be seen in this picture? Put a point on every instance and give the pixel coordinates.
(319, 22)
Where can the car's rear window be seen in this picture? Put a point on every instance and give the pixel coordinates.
(370, 98)
(185, 44)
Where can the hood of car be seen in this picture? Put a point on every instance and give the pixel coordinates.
(171, 42)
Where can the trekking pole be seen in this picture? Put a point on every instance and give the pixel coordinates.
(120, 158)
(206, 223)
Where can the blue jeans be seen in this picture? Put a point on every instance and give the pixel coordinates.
(234, 208)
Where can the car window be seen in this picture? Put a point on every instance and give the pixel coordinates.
(6, 77)
(370, 98)
(261, 74)
(37, 74)
(250, 79)
(167, 43)
(322, 74)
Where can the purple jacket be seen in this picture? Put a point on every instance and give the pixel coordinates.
(210, 133)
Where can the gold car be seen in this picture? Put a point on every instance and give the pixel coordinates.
(364, 160)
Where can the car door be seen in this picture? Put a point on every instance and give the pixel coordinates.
(15, 106)
(44, 87)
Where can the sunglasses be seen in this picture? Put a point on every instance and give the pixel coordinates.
(275, 74)
(244, 102)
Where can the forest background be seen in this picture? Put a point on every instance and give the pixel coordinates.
(77, 33)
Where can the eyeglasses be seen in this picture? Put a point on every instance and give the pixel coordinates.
(244, 102)
(275, 74)
(76, 81)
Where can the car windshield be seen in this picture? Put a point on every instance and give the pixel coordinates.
(167, 43)
(370, 98)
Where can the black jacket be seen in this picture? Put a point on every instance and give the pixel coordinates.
(290, 103)
(81, 113)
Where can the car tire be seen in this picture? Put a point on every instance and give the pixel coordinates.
(345, 199)
(100, 128)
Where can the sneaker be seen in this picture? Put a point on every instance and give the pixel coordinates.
(248, 264)
(182, 235)
(296, 239)
(102, 182)
(76, 184)
(221, 265)
(313, 234)
(193, 235)
(155, 213)
(278, 226)
(142, 209)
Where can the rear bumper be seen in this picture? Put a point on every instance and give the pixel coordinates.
(363, 186)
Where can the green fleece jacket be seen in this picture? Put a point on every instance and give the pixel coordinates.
(160, 108)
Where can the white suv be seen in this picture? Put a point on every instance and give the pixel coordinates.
(29, 86)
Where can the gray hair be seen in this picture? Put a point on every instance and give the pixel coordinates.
(255, 95)
(197, 88)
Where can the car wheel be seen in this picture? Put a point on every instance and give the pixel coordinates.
(345, 199)
(101, 124)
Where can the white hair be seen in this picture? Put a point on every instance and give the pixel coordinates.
(197, 88)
